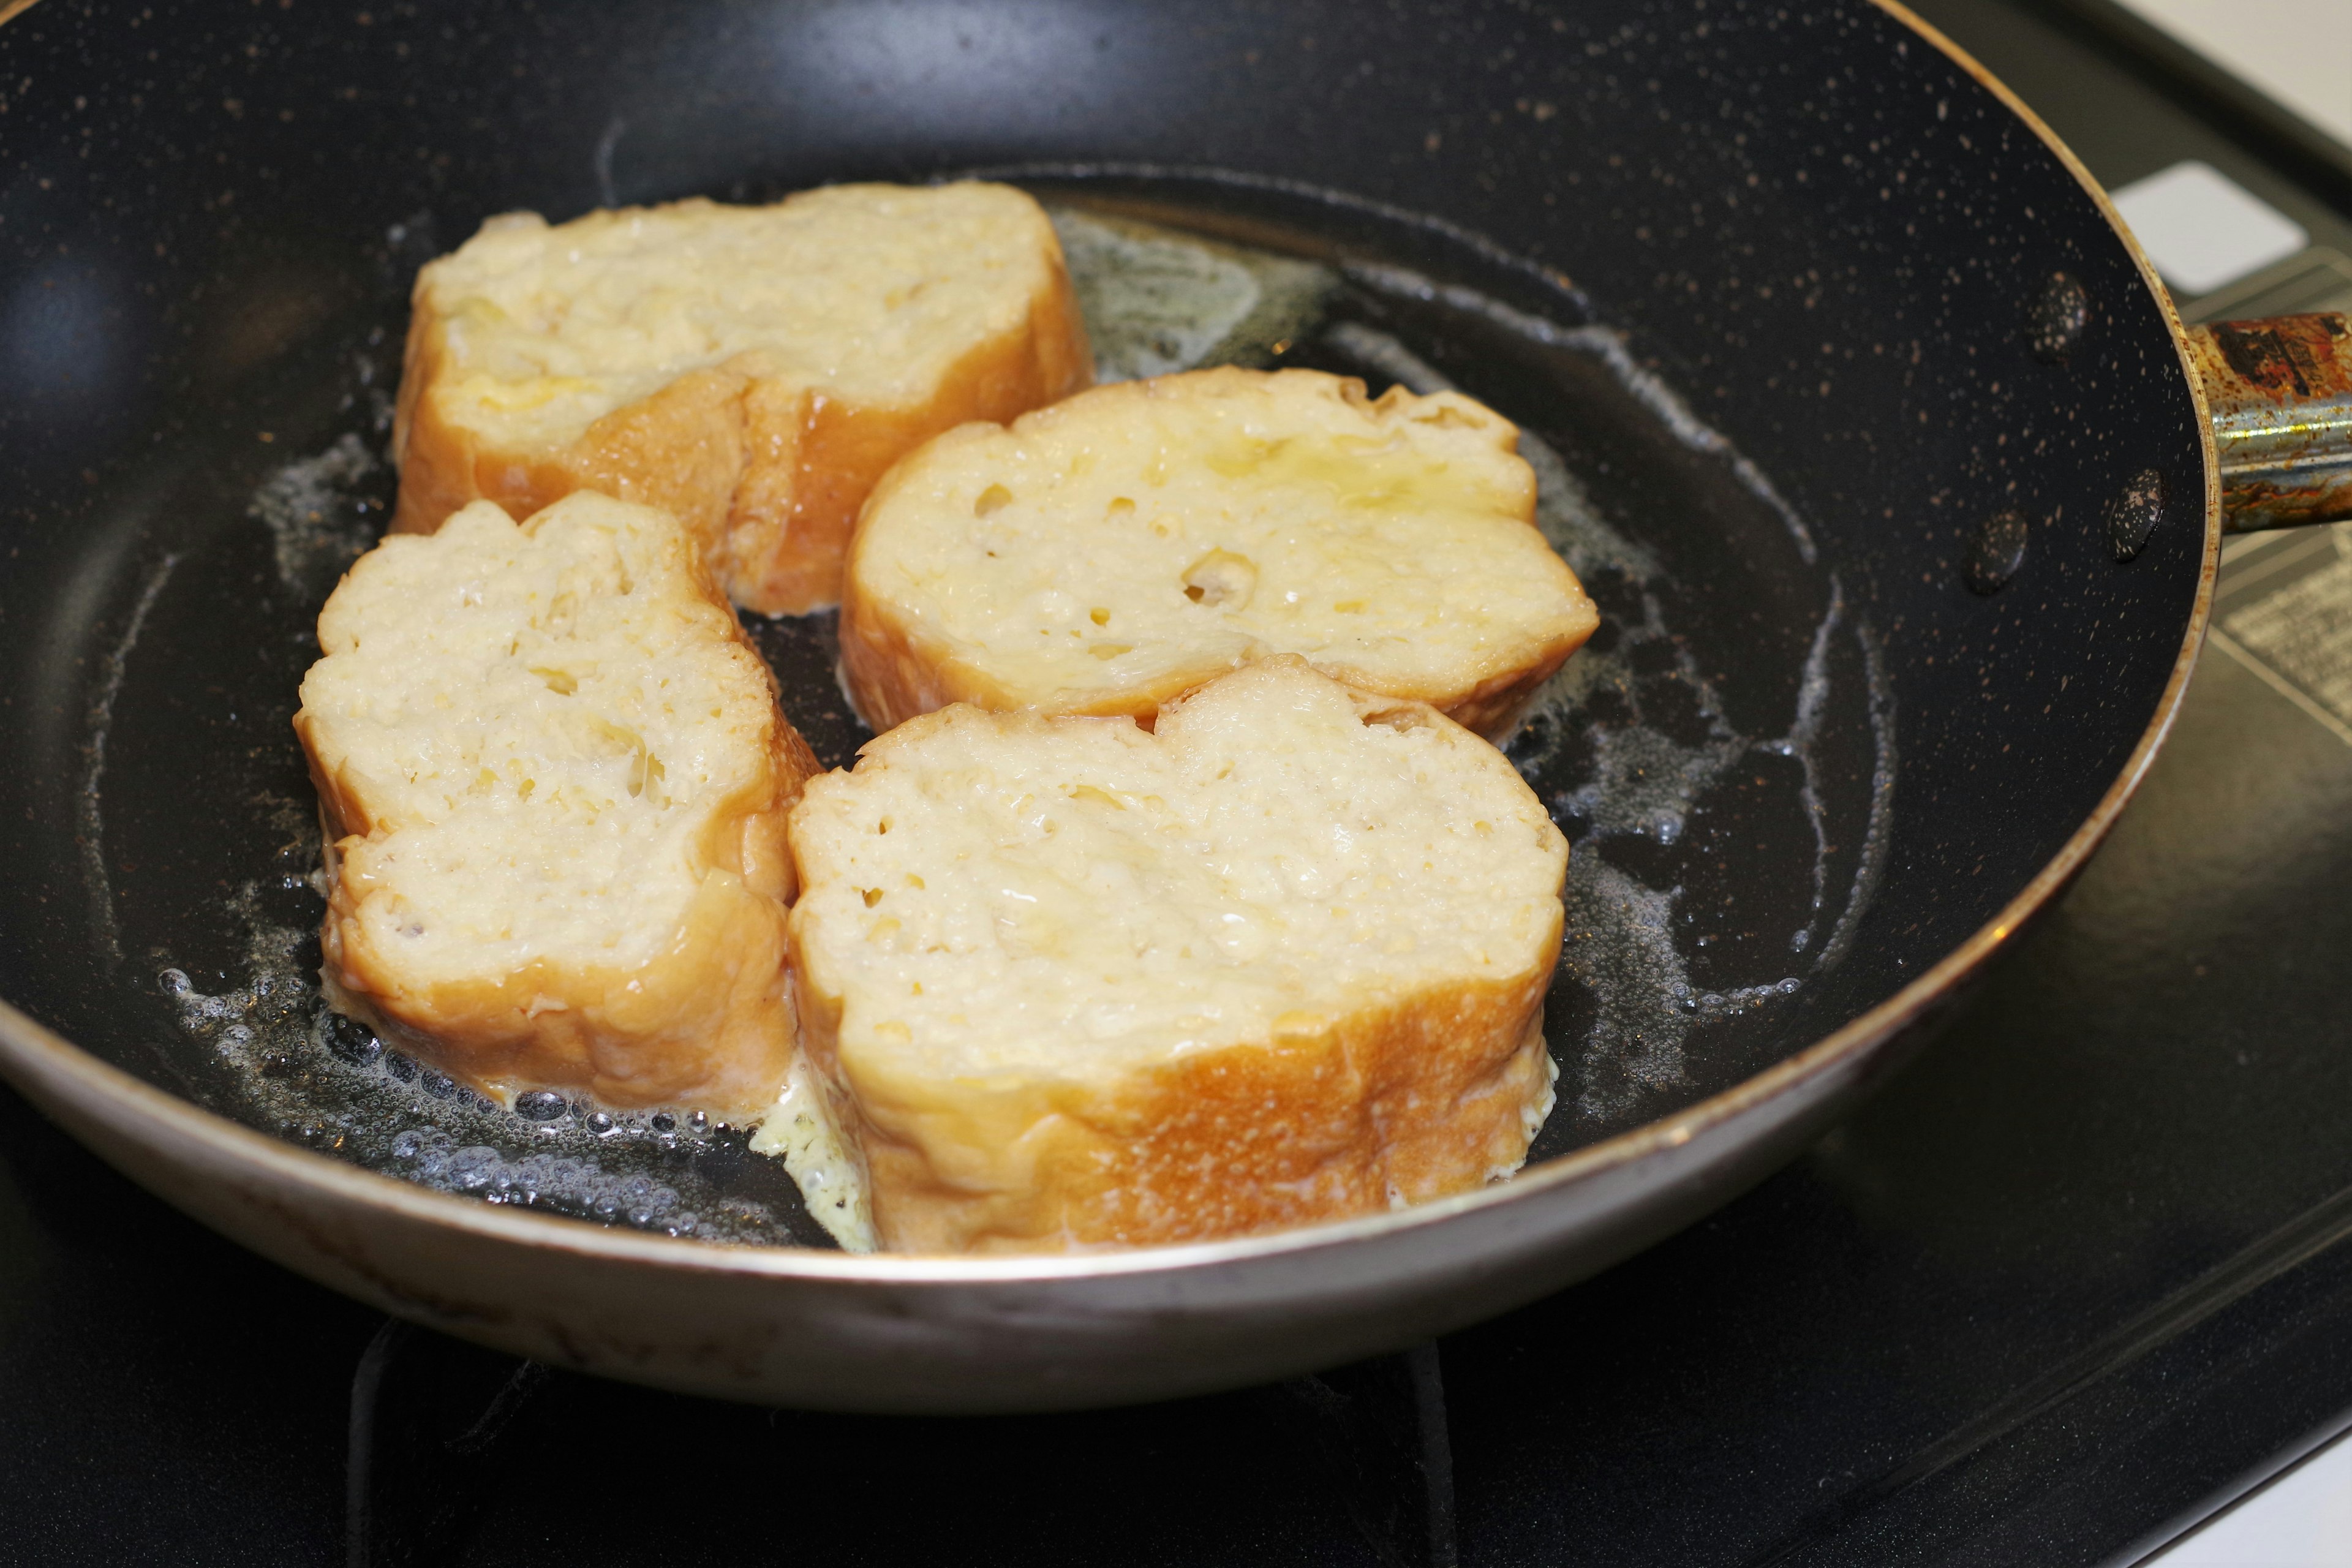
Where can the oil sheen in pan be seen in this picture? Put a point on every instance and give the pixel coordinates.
(1727, 812)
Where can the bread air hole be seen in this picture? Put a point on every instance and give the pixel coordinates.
(645, 773)
(645, 769)
(560, 681)
(992, 500)
(1220, 580)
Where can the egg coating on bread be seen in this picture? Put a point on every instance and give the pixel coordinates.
(751, 370)
(1104, 554)
(1072, 983)
(554, 778)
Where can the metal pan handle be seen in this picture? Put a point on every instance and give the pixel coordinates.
(2281, 394)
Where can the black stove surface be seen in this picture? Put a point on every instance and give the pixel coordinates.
(2074, 1281)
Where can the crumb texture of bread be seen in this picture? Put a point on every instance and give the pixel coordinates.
(554, 780)
(1105, 555)
(1070, 983)
(752, 371)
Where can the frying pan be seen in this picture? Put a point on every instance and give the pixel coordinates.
(1851, 396)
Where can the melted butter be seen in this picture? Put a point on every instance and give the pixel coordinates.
(1158, 301)
(1370, 476)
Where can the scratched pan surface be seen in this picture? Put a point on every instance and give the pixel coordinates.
(1760, 285)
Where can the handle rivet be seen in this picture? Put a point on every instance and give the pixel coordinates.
(1995, 552)
(2133, 515)
(2056, 316)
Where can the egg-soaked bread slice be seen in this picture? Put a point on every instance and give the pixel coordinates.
(1069, 981)
(751, 370)
(1104, 554)
(554, 782)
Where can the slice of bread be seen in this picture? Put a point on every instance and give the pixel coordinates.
(1071, 983)
(554, 780)
(1104, 554)
(751, 370)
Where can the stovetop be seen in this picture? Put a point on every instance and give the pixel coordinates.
(2076, 1278)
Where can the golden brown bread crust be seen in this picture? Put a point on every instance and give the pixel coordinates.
(1004, 989)
(707, 1026)
(768, 476)
(895, 670)
(1410, 1100)
(1496, 709)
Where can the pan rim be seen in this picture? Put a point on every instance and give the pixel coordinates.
(29, 1050)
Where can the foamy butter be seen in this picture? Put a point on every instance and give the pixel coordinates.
(318, 514)
(832, 1179)
(1157, 301)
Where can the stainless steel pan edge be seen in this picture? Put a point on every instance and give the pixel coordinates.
(951, 1335)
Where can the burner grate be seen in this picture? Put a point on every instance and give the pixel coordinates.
(431, 1420)
(436, 1426)
(1379, 1429)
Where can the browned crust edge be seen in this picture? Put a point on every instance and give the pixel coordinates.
(895, 670)
(767, 475)
(1413, 1098)
(1418, 1095)
(708, 1024)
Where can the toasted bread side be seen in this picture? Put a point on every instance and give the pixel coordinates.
(752, 371)
(554, 780)
(1069, 983)
(1103, 555)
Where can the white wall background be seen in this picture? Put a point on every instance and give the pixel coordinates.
(2298, 51)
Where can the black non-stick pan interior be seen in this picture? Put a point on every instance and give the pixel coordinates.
(1771, 292)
